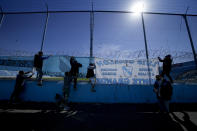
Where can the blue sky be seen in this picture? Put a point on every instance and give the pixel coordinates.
(117, 36)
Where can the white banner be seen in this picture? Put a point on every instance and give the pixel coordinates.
(126, 71)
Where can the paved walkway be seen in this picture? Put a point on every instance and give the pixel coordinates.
(102, 117)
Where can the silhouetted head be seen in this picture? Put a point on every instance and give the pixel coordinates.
(21, 72)
(40, 53)
(72, 57)
(168, 56)
(91, 64)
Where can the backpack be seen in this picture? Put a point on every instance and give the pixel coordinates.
(166, 90)
(38, 62)
(90, 73)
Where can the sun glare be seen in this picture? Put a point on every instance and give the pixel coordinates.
(138, 7)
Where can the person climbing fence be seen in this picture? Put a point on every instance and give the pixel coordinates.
(167, 65)
(91, 76)
(74, 71)
(38, 64)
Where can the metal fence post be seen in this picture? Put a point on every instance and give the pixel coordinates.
(190, 38)
(146, 47)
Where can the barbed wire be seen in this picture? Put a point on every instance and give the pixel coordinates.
(178, 56)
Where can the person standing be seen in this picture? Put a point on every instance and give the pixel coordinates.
(156, 89)
(167, 65)
(91, 76)
(62, 100)
(166, 91)
(38, 63)
(74, 71)
(66, 89)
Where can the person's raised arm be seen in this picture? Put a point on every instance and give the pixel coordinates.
(46, 57)
(27, 77)
(160, 59)
(27, 72)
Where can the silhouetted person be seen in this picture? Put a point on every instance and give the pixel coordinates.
(74, 71)
(62, 101)
(165, 94)
(59, 101)
(167, 65)
(156, 89)
(186, 122)
(19, 85)
(72, 59)
(91, 75)
(66, 89)
(38, 63)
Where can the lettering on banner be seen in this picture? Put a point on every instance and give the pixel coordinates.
(17, 63)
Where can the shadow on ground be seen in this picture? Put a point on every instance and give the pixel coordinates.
(83, 117)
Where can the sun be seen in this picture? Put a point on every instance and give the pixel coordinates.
(138, 7)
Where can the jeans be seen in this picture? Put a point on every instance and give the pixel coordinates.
(164, 105)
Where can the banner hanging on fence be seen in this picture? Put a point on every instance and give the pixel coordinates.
(125, 71)
(58, 65)
(12, 63)
(107, 71)
(53, 66)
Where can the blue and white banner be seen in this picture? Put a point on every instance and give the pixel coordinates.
(58, 65)
(107, 71)
(12, 63)
(52, 66)
(126, 71)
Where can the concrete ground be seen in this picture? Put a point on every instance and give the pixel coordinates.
(102, 117)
